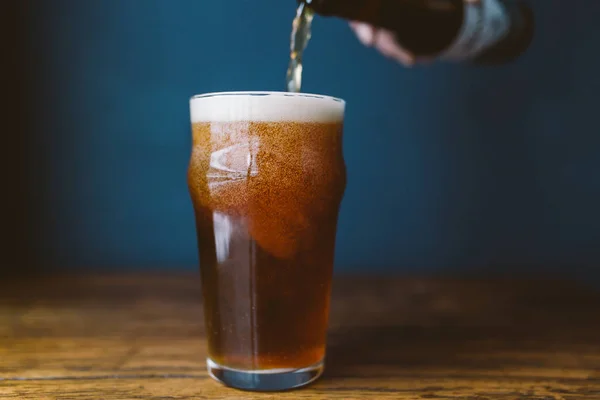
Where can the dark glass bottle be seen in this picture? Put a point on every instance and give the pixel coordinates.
(488, 32)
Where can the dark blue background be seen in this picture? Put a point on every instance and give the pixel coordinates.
(451, 168)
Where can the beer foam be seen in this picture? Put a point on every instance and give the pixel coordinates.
(266, 107)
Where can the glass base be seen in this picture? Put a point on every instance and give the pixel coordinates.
(264, 380)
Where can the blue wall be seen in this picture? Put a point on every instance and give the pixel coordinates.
(450, 167)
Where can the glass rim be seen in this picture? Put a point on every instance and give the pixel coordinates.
(267, 93)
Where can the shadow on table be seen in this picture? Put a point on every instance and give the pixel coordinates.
(481, 328)
(394, 351)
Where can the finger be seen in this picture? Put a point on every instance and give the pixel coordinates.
(386, 43)
(364, 32)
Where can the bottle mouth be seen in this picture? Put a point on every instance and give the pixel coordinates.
(348, 9)
(323, 8)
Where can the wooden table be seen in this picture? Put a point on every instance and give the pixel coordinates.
(141, 337)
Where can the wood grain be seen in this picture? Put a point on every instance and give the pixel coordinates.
(141, 337)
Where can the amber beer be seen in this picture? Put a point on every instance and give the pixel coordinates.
(266, 178)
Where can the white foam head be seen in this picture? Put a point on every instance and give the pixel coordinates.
(266, 107)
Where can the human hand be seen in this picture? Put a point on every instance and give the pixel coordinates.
(385, 41)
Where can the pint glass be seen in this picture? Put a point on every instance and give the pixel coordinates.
(266, 178)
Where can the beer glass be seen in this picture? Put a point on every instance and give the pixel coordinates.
(266, 178)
